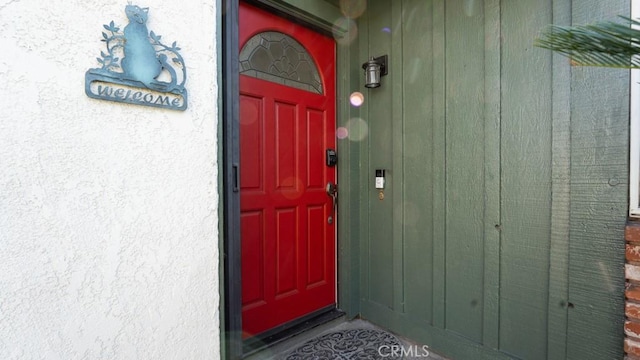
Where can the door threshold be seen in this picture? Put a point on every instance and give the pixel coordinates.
(290, 329)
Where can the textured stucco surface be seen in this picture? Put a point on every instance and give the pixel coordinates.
(108, 212)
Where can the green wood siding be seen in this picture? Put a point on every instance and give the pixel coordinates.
(599, 183)
(464, 167)
(500, 234)
(525, 180)
(417, 155)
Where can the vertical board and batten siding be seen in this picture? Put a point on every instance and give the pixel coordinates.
(525, 191)
(599, 195)
(380, 261)
(561, 194)
(348, 175)
(499, 234)
(417, 103)
(464, 167)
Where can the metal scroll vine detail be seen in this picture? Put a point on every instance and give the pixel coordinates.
(279, 58)
(137, 68)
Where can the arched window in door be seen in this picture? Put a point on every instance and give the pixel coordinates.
(277, 57)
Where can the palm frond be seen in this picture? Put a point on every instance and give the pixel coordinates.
(608, 44)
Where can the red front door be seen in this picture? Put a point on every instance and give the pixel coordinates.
(288, 238)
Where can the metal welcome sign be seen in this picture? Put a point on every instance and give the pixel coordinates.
(137, 68)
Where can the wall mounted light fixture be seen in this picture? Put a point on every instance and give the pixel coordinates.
(374, 69)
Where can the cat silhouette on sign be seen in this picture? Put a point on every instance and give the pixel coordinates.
(140, 61)
(138, 55)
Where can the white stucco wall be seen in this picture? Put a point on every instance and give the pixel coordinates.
(108, 211)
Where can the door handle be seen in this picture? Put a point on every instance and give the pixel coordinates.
(332, 191)
(236, 178)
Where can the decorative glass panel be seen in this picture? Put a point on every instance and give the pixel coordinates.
(279, 58)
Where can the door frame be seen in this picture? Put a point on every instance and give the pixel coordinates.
(318, 15)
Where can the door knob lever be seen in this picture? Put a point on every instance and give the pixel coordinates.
(332, 191)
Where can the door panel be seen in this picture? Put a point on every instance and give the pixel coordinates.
(253, 261)
(288, 246)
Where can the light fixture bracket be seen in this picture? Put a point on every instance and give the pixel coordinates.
(380, 60)
(374, 70)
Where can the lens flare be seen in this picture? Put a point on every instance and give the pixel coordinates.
(358, 129)
(290, 187)
(249, 113)
(356, 99)
(353, 8)
(471, 8)
(342, 133)
(344, 30)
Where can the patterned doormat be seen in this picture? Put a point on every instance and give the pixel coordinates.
(361, 344)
